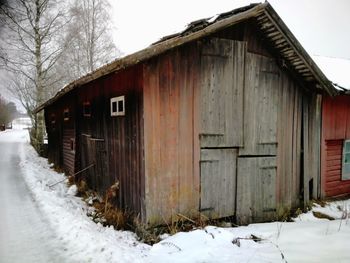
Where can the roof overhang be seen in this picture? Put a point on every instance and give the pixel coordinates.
(271, 25)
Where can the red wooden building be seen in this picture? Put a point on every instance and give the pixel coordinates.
(223, 118)
(335, 146)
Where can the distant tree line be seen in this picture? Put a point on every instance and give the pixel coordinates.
(8, 112)
(45, 44)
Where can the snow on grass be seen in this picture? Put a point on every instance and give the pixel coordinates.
(308, 239)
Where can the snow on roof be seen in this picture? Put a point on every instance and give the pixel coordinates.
(337, 70)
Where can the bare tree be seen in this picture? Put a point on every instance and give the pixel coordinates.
(88, 40)
(30, 52)
(8, 112)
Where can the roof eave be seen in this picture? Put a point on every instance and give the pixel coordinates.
(171, 43)
(154, 50)
(303, 55)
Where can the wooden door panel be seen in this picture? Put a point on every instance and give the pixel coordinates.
(256, 189)
(261, 93)
(218, 182)
(222, 82)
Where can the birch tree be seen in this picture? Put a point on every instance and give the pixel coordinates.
(88, 40)
(30, 53)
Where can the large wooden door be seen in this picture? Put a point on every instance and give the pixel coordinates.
(221, 127)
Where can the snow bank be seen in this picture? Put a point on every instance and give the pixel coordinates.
(308, 239)
(85, 241)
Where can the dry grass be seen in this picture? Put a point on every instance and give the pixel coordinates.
(82, 188)
(322, 215)
(148, 235)
(322, 203)
(71, 180)
(106, 212)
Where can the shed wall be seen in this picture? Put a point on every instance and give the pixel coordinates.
(335, 129)
(54, 134)
(61, 133)
(114, 143)
(171, 134)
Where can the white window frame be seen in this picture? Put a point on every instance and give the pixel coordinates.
(118, 111)
(345, 176)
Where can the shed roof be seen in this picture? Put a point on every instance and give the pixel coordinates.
(268, 21)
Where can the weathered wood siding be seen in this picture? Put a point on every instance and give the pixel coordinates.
(171, 134)
(256, 191)
(275, 118)
(221, 123)
(69, 151)
(54, 134)
(335, 129)
(114, 143)
(312, 147)
(260, 106)
(61, 134)
(289, 142)
(218, 182)
(222, 80)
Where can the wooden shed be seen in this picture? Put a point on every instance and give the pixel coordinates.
(336, 146)
(223, 118)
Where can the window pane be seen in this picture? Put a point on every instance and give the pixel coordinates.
(347, 158)
(114, 106)
(120, 106)
(346, 169)
(347, 146)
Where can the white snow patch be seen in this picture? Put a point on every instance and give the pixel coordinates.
(72, 190)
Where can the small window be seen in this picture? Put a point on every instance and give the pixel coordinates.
(118, 106)
(66, 114)
(72, 144)
(346, 160)
(87, 109)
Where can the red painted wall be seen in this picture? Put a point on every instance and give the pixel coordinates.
(335, 129)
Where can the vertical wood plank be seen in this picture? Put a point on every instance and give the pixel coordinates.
(260, 106)
(218, 182)
(306, 159)
(172, 175)
(222, 83)
(258, 205)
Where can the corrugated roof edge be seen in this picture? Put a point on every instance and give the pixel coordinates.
(178, 40)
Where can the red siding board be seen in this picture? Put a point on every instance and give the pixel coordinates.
(335, 129)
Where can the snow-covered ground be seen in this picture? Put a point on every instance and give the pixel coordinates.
(308, 239)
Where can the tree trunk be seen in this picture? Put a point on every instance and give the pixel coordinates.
(38, 139)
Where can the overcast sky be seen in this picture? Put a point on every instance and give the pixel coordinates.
(322, 26)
